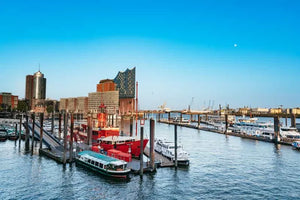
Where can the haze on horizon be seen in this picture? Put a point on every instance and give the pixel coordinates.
(227, 52)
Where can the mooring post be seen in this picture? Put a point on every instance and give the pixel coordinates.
(191, 117)
(169, 116)
(16, 133)
(20, 127)
(286, 120)
(180, 118)
(71, 138)
(206, 117)
(131, 126)
(59, 126)
(175, 138)
(226, 123)
(152, 133)
(33, 124)
(52, 123)
(90, 130)
(159, 117)
(142, 151)
(27, 135)
(276, 129)
(199, 120)
(41, 129)
(293, 120)
(65, 138)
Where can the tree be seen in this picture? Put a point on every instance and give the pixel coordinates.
(22, 106)
(49, 108)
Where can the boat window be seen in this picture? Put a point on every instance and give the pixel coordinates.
(96, 163)
(101, 165)
(92, 162)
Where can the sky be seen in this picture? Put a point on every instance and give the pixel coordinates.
(198, 53)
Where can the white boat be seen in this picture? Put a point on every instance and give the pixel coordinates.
(259, 129)
(103, 164)
(289, 132)
(182, 121)
(167, 149)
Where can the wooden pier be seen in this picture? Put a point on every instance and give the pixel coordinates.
(284, 141)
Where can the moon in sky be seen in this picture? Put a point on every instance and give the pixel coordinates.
(235, 45)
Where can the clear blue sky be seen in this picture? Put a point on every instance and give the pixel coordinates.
(182, 49)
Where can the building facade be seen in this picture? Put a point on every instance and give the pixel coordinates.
(125, 84)
(29, 89)
(35, 91)
(7, 100)
(106, 85)
(110, 99)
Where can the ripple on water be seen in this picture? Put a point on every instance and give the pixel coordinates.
(221, 168)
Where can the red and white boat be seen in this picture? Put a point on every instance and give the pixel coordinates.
(123, 143)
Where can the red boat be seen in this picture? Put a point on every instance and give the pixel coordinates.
(108, 137)
(123, 143)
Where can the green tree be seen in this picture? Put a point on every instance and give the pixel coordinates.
(22, 105)
(49, 108)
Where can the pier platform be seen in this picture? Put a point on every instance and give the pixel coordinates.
(284, 141)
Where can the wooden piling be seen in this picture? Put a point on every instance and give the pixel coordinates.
(169, 116)
(59, 126)
(65, 137)
(71, 138)
(142, 151)
(41, 129)
(293, 120)
(180, 117)
(175, 138)
(20, 128)
(276, 129)
(52, 123)
(199, 120)
(90, 130)
(152, 154)
(131, 126)
(16, 131)
(27, 135)
(33, 125)
(226, 123)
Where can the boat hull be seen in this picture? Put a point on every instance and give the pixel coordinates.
(133, 147)
(120, 175)
(2, 138)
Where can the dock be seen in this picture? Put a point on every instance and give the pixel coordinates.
(284, 141)
(54, 148)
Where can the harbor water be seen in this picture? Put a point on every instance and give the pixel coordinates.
(221, 167)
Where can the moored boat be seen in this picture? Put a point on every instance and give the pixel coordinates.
(12, 135)
(103, 164)
(3, 135)
(296, 145)
(125, 144)
(167, 149)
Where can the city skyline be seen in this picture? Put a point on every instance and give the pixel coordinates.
(241, 54)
